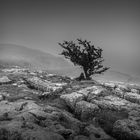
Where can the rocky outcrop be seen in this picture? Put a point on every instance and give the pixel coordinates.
(40, 106)
(26, 120)
(72, 98)
(5, 80)
(97, 91)
(132, 97)
(44, 86)
(112, 103)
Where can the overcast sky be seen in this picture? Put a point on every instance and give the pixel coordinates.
(113, 25)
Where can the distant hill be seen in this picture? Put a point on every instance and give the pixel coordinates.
(112, 75)
(34, 59)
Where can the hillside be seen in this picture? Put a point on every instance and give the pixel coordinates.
(35, 105)
(112, 75)
(37, 60)
(34, 59)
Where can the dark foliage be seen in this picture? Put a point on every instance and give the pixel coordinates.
(85, 55)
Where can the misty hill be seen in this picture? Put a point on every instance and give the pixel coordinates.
(34, 59)
(112, 75)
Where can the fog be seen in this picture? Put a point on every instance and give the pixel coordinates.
(112, 25)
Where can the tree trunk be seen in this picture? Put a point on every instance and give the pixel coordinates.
(87, 77)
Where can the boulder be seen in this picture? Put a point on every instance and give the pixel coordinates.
(4, 94)
(135, 91)
(86, 110)
(72, 98)
(62, 122)
(21, 106)
(26, 116)
(134, 115)
(114, 103)
(118, 92)
(7, 107)
(5, 80)
(97, 91)
(85, 91)
(70, 122)
(126, 130)
(132, 97)
(1, 97)
(43, 85)
(110, 84)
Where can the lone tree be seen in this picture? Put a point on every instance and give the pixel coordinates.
(85, 55)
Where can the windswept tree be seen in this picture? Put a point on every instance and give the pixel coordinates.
(84, 54)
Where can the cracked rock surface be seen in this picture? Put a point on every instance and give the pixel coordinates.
(40, 106)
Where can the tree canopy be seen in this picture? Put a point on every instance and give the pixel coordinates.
(85, 55)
